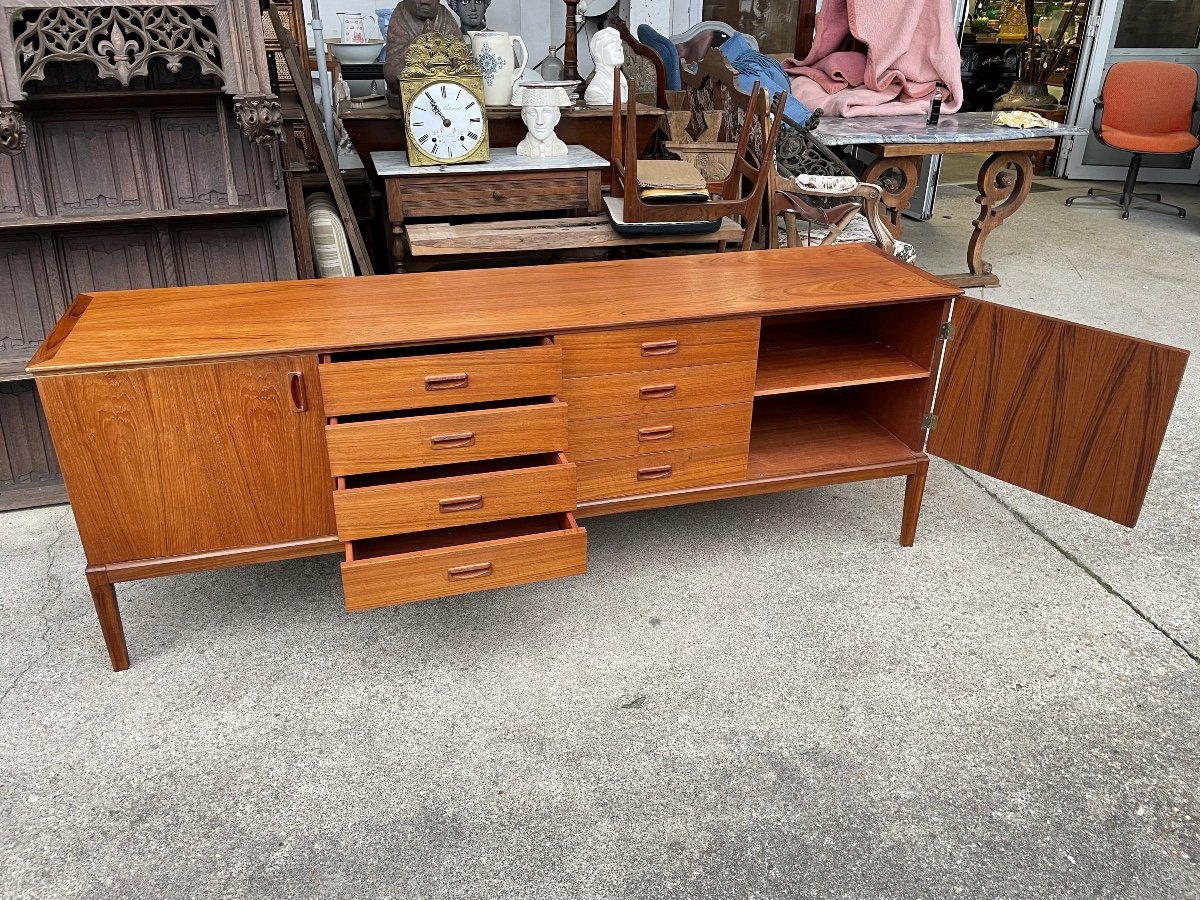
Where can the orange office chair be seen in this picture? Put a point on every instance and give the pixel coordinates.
(1144, 107)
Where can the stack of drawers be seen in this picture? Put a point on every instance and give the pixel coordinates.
(659, 408)
(449, 470)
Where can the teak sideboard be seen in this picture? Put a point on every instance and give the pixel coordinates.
(447, 430)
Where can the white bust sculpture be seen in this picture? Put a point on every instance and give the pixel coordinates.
(541, 110)
(607, 54)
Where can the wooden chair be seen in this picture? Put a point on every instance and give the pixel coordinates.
(740, 194)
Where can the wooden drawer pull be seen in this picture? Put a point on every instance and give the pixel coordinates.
(452, 441)
(658, 391)
(653, 472)
(461, 504)
(657, 433)
(462, 573)
(660, 348)
(445, 382)
(297, 392)
(497, 195)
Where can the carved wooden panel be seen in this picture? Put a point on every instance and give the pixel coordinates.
(224, 254)
(111, 260)
(193, 161)
(95, 164)
(26, 453)
(29, 304)
(12, 193)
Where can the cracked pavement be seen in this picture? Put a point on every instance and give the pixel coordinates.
(765, 697)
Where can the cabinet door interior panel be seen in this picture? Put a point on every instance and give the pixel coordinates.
(176, 460)
(1071, 412)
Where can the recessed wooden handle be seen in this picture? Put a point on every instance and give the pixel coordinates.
(660, 348)
(297, 392)
(653, 472)
(446, 382)
(657, 433)
(452, 441)
(461, 573)
(461, 504)
(658, 391)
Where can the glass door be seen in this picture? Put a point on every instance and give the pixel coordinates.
(1122, 30)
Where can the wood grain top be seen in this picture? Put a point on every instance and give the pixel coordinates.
(125, 328)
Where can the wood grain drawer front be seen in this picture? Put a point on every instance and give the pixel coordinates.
(415, 441)
(481, 197)
(407, 506)
(417, 382)
(658, 347)
(633, 393)
(519, 552)
(657, 432)
(660, 472)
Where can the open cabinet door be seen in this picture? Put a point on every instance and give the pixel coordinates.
(1071, 412)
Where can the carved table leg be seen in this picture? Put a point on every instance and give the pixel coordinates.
(1005, 180)
(914, 493)
(898, 177)
(104, 598)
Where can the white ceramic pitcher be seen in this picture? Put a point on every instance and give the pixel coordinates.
(495, 54)
(354, 27)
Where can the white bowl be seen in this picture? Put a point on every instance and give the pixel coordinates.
(354, 54)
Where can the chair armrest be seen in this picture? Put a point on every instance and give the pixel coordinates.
(1097, 114)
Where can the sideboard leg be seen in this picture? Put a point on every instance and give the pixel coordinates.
(914, 492)
(104, 597)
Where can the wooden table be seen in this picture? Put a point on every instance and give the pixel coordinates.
(382, 128)
(900, 142)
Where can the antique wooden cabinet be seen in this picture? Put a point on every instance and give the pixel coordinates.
(447, 431)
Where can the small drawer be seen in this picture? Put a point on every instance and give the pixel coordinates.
(658, 347)
(659, 472)
(446, 496)
(656, 432)
(430, 564)
(458, 196)
(634, 393)
(413, 441)
(356, 386)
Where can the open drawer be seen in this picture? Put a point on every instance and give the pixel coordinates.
(422, 566)
(378, 504)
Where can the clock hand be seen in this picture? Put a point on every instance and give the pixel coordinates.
(438, 111)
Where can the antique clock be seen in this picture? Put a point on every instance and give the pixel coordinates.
(441, 88)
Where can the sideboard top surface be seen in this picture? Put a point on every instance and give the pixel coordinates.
(123, 328)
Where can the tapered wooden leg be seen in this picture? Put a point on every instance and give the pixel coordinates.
(104, 597)
(914, 492)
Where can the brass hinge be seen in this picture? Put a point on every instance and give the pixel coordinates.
(947, 331)
(929, 422)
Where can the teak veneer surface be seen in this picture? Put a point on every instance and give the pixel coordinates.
(149, 326)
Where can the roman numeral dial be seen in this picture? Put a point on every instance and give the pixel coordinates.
(446, 121)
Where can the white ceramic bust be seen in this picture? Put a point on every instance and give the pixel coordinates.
(607, 54)
(541, 110)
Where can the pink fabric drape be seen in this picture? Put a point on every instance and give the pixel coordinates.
(880, 58)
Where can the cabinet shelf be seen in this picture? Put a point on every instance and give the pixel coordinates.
(811, 357)
(808, 433)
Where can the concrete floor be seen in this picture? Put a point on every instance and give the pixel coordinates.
(757, 698)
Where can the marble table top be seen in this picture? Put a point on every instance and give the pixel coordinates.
(503, 159)
(959, 128)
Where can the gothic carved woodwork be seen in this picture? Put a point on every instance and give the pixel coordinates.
(219, 39)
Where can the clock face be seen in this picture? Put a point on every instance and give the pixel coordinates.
(445, 120)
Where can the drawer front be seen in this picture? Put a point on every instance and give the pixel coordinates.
(416, 382)
(660, 472)
(445, 572)
(446, 502)
(656, 432)
(658, 347)
(409, 443)
(634, 393)
(471, 197)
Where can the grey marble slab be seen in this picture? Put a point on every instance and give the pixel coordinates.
(959, 128)
(503, 159)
